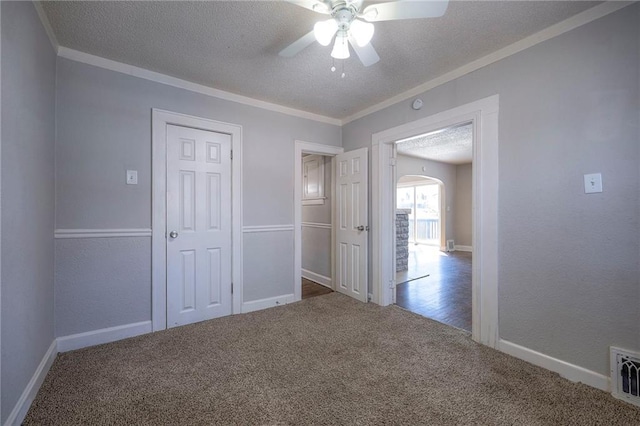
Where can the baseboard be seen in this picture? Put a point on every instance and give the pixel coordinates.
(568, 371)
(104, 335)
(462, 248)
(270, 302)
(316, 278)
(21, 408)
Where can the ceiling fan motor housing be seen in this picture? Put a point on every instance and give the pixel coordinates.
(344, 15)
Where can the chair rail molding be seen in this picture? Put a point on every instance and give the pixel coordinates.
(316, 225)
(266, 228)
(101, 233)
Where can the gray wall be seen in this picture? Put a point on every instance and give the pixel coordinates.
(316, 242)
(103, 129)
(406, 165)
(568, 262)
(28, 132)
(463, 205)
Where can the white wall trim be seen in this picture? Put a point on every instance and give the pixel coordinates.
(317, 278)
(1, 352)
(484, 116)
(316, 225)
(21, 408)
(462, 248)
(97, 61)
(267, 228)
(159, 121)
(269, 302)
(565, 369)
(299, 148)
(102, 233)
(560, 28)
(47, 25)
(103, 335)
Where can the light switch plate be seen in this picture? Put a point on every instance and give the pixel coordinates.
(132, 177)
(592, 183)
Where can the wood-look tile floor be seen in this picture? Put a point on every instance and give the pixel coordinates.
(445, 295)
(312, 289)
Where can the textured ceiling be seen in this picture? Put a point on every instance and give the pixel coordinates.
(234, 45)
(452, 145)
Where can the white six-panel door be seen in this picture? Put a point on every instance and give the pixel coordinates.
(198, 225)
(352, 223)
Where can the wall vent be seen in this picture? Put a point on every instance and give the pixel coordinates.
(625, 375)
(451, 245)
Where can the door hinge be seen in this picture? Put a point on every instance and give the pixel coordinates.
(392, 161)
(232, 154)
(231, 288)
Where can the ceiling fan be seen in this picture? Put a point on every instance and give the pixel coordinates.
(351, 24)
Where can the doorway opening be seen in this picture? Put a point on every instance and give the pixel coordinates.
(433, 278)
(313, 219)
(483, 114)
(316, 225)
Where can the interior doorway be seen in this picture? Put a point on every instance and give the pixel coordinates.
(317, 185)
(483, 114)
(434, 279)
(307, 182)
(177, 139)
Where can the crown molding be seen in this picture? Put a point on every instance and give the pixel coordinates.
(47, 25)
(555, 30)
(97, 61)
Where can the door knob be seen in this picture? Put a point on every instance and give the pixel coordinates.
(173, 234)
(360, 228)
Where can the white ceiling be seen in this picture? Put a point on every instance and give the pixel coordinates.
(452, 145)
(233, 45)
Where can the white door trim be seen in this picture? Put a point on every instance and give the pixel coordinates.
(484, 115)
(307, 148)
(160, 119)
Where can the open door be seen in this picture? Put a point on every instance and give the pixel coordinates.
(352, 230)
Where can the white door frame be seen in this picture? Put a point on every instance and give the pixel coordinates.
(308, 148)
(484, 116)
(160, 119)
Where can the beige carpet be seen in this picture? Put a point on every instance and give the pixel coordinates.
(325, 360)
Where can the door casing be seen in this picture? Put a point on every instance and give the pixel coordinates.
(159, 121)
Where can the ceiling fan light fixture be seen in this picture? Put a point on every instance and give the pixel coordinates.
(362, 32)
(320, 8)
(341, 47)
(324, 31)
(370, 13)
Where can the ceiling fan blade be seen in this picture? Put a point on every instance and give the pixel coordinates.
(405, 10)
(298, 45)
(319, 6)
(367, 54)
